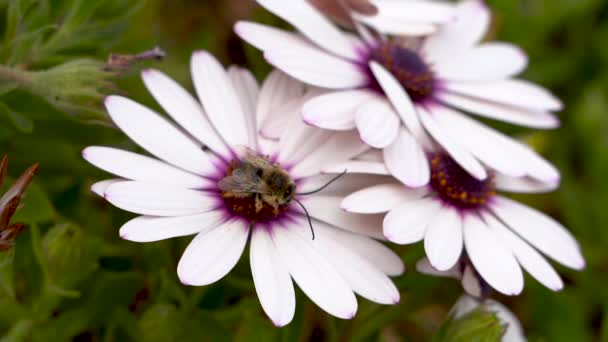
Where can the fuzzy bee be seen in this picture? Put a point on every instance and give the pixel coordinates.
(255, 175)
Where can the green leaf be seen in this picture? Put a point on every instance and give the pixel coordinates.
(476, 326)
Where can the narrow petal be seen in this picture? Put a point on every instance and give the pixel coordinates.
(396, 26)
(157, 135)
(492, 258)
(153, 228)
(268, 38)
(406, 161)
(327, 209)
(541, 231)
(424, 266)
(493, 148)
(377, 122)
(278, 88)
(314, 274)
(465, 31)
(375, 252)
(184, 109)
(335, 110)
(408, 222)
(452, 147)
(299, 140)
(417, 11)
(528, 257)
(355, 166)
(341, 147)
(100, 188)
(313, 25)
(515, 93)
(318, 68)
(212, 254)
(443, 239)
(219, 98)
(364, 278)
(343, 186)
(272, 280)
(497, 111)
(248, 91)
(275, 125)
(141, 168)
(523, 184)
(159, 200)
(379, 199)
(398, 97)
(486, 62)
(471, 283)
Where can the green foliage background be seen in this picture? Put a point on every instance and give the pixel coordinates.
(71, 277)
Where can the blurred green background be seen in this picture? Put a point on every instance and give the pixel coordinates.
(71, 277)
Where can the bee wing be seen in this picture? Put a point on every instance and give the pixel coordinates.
(242, 181)
(259, 162)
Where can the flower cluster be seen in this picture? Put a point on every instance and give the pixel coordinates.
(359, 135)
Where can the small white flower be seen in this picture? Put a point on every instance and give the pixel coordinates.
(178, 193)
(514, 331)
(460, 216)
(400, 92)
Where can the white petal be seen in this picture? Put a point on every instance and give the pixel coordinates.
(396, 26)
(424, 266)
(219, 98)
(471, 282)
(527, 256)
(318, 68)
(497, 111)
(516, 93)
(406, 161)
(313, 25)
(267, 38)
(541, 231)
(355, 166)
(335, 110)
(153, 228)
(275, 124)
(141, 168)
(494, 149)
(375, 252)
(523, 184)
(363, 276)
(341, 147)
(377, 123)
(408, 222)
(327, 209)
(454, 149)
(271, 278)
(278, 88)
(157, 135)
(398, 97)
(416, 11)
(343, 186)
(491, 257)
(211, 255)
(99, 188)
(466, 30)
(314, 274)
(443, 239)
(159, 200)
(183, 108)
(300, 140)
(247, 89)
(486, 62)
(379, 199)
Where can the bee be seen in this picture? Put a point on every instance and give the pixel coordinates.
(255, 175)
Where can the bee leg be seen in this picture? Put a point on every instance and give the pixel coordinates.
(259, 203)
(275, 207)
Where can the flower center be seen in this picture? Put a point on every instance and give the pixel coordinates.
(407, 67)
(456, 186)
(256, 189)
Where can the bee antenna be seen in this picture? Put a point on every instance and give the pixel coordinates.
(324, 186)
(307, 216)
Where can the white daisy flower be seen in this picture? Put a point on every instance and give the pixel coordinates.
(397, 91)
(460, 216)
(187, 191)
(514, 331)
